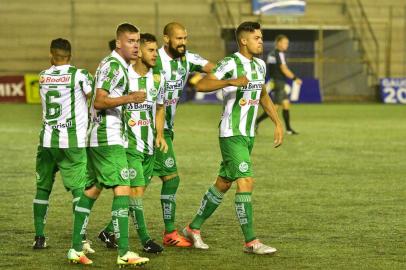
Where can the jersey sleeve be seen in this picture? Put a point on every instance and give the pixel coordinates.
(161, 91)
(280, 58)
(196, 62)
(85, 80)
(110, 75)
(224, 69)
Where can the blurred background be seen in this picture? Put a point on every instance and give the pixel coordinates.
(350, 50)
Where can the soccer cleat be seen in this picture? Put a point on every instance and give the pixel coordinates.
(256, 247)
(291, 132)
(131, 258)
(194, 236)
(152, 247)
(108, 238)
(86, 248)
(174, 239)
(78, 257)
(39, 242)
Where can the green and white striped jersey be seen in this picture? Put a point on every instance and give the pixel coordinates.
(63, 91)
(140, 117)
(240, 104)
(107, 126)
(176, 72)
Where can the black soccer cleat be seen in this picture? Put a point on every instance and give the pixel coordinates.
(152, 247)
(108, 238)
(39, 242)
(291, 132)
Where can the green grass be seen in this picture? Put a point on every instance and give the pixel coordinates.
(333, 197)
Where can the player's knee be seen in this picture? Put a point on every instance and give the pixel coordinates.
(222, 184)
(137, 191)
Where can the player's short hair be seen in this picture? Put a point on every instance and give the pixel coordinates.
(280, 37)
(246, 27)
(147, 37)
(60, 49)
(125, 28)
(112, 45)
(61, 44)
(168, 29)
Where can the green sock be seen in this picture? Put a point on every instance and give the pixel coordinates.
(109, 228)
(40, 209)
(211, 200)
(119, 216)
(137, 213)
(82, 212)
(168, 202)
(76, 193)
(243, 208)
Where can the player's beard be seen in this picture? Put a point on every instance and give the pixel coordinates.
(175, 53)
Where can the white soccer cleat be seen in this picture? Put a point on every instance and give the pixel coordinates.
(194, 236)
(86, 248)
(131, 258)
(78, 257)
(257, 247)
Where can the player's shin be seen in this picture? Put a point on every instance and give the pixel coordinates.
(40, 208)
(168, 202)
(119, 214)
(243, 209)
(211, 200)
(82, 212)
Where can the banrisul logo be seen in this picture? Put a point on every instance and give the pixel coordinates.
(253, 86)
(174, 85)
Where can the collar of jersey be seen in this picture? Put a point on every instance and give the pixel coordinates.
(134, 75)
(60, 67)
(243, 58)
(121, 59)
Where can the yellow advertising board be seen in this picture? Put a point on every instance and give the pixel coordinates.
(32, 88)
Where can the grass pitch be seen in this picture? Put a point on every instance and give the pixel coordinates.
(333, 197)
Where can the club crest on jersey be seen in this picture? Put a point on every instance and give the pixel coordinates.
(243, 167)
(169, 162)
(181, 71)
(132, 173)
(124, 173)
(153, 92)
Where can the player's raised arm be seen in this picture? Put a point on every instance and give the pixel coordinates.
(211, 83)
(103, 101)
(272, 113)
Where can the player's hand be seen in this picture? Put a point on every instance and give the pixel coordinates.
(278, 135)
(298, 81)
(161, 144)
(137, 96)
(240, 81)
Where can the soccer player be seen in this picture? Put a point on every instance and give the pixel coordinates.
(176, 63)
(279, 72)
(106, 154)
(63, 90)
(241, 76)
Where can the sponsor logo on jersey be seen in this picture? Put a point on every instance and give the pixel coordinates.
(60, 125)
(139, 122)
(173, 101)
(169, 162)
(55, 79)
(243, 167)
(173, 85)
(253, 86)
(249, 102)
(139, 107)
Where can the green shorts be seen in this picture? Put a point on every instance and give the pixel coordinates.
(236, 152)
(279, 94)
(140, 167)
(71, 162)
(107, 166)
(165, 163)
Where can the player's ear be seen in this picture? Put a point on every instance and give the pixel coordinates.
(166, 39)
(118, 44)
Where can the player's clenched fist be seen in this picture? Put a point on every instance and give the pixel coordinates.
(137, 96)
